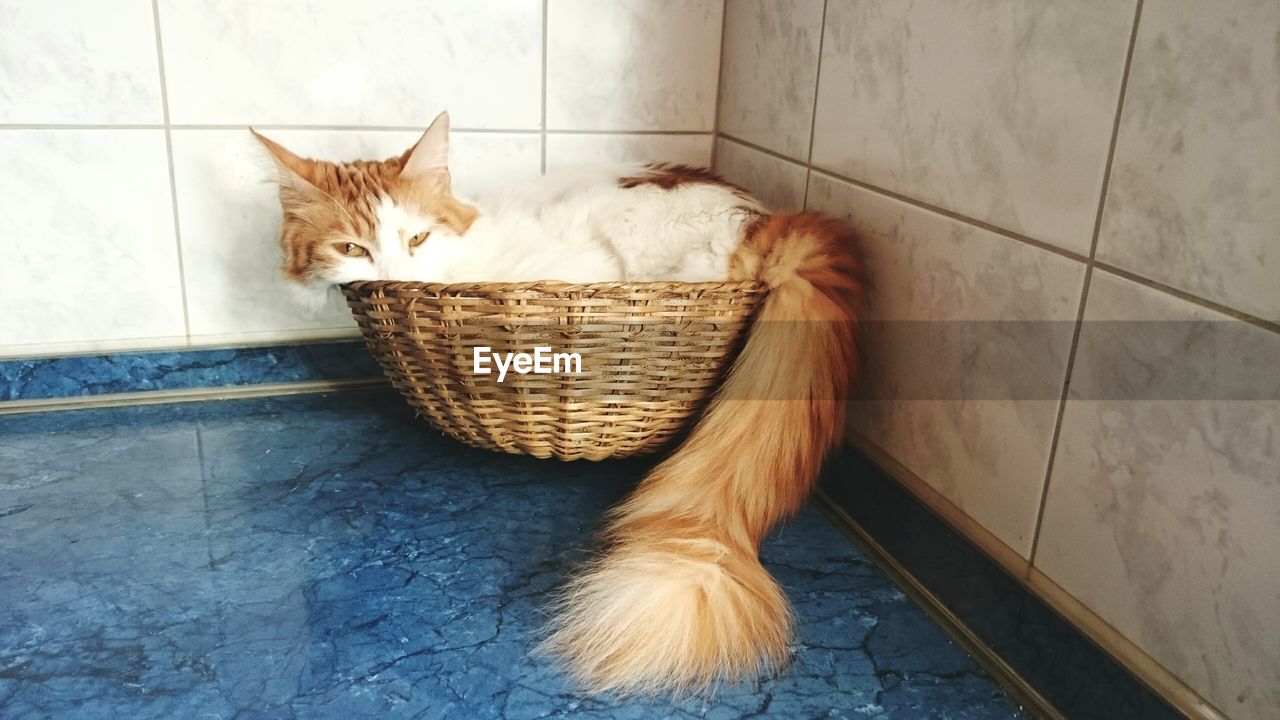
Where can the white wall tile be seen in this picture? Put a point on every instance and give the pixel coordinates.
(483, 161)
(777, 183)
(983, 440)
(569, 149)
(1194, 198)
(230, 220)
(770, 73)
(1163, 513)
(66, 61)
(314, 62)
(632, 64)
(90, 256)
(999, 110)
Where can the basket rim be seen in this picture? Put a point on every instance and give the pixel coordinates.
(554, 286)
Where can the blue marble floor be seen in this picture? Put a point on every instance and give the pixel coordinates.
(330, 556)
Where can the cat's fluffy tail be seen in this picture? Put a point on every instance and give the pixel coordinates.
(679, 599)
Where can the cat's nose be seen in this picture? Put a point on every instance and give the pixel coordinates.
(395, 269)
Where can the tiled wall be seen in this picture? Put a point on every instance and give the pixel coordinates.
(137, 208)
(971, 143)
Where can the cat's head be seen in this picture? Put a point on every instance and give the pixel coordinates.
(367, 220)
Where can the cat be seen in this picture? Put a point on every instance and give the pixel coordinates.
(678, 599)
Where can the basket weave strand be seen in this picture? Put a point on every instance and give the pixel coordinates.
(651, 355)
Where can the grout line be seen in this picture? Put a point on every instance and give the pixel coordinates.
(543, 132)
(1084, 289)
(554, 131)
(919, 203)
(715, 119)
(173, 183)
(1089, 261)
(192, 347)
(1062, 409)
(813, 113)
(82, 126)
(337, 128)
(1259, 322)
(350, 128)
(234, 126)
(204, 497)
(181, 395)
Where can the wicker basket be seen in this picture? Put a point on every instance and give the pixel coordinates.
(651, 353)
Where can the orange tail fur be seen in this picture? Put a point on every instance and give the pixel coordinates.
(679, 600)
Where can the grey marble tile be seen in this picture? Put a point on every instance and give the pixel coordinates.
(1194, 198)
(569, 149)
(769, 73)
(632, 64)
(315, 62)
(777, 183)
(90, 260)
(1163, 516)
(67, 61)
(939, 286)
(1001, 111)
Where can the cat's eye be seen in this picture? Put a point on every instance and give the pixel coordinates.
(420, 238)
(351, 249)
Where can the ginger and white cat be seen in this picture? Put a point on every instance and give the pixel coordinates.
(678, 599)
(399, 220)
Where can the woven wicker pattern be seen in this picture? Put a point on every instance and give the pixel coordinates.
(651, 354)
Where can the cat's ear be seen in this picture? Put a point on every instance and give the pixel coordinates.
(295, 171)
(428, 159)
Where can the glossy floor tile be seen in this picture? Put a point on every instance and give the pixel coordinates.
(330, 556)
